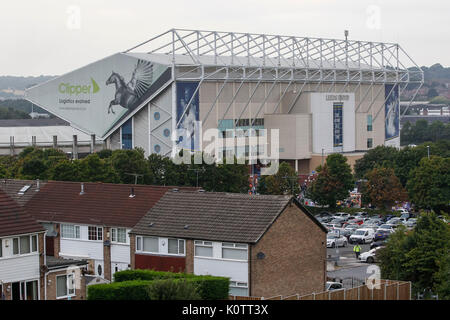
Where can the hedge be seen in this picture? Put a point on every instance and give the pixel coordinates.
(134, 284)
(127, 290)
(139, 274)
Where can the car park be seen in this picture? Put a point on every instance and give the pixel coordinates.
(369, 256)
(339, 221)
(334, 240)
(354, 220)
(363, 235)
(376, 244)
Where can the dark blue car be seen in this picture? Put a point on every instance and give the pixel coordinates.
(381, 235)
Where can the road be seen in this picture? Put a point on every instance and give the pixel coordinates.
(348, 268)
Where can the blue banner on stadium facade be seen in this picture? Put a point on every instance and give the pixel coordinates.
(392, 112)
(188, 132)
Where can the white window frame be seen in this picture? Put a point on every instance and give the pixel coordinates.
(178, 247)
(30, 236)
(141, 239)
(68, 276)
(238, 284)
(234, 246)
(76, 231)
(204, 244)
(116, 232)
(96, 233)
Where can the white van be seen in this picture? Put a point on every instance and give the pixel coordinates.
(363, 235)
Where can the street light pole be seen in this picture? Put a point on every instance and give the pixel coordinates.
(428, 149)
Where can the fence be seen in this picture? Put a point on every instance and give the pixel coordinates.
(383, 290)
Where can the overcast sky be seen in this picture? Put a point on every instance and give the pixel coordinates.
(50, 37)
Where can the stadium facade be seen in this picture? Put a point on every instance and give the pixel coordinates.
(324, 95)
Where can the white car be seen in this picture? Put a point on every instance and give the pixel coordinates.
(333, 286)
(341, 215)
(334, 240)
(387, 227)
(363, 235)
(369, 256)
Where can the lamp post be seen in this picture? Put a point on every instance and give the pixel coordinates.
(428, 150)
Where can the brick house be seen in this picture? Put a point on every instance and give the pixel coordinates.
(25, 271)
(266, 245)
(90, 221)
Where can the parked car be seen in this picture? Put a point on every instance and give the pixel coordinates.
(377, 244)
(411, 223)
(363, 235)
(386, 227)
(354, 221)
(369, 256)
(339, 221)
(394, 221)
(402, 211)
(347, 232)
(382, 234)
(387, 217)
(334, 240)
(330, 286)
(361, 214)
(342, 215)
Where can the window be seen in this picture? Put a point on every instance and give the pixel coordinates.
(70, 231)
(95, 233)
(369, 122)
(127, 135)
(176, 246)
(16, 246)
(65, 286)
(234, 251)
(138, 243)
(25, 245)
(203, 248)
(119, 235)
(369, 143)
(238, 288)
(34, 243)
(150, 244)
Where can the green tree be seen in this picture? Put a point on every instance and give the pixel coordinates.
(418, 256)
(429, 184)
(380, 156)
(383, 189)
(333, 182)
(133, 161)
(285, 181)
(94, 169)
(65, 171)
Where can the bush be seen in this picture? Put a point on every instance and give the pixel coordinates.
(178, 289)
(150, 285)
(127, 290)
(138, 274)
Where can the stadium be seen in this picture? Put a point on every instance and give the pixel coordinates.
(323, 95)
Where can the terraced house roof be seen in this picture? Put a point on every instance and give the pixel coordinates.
(212, 216)
(14, 220)
(115, 205)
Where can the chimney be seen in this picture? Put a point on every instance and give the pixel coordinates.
(132, 195)
(37, 185)
(82, 189)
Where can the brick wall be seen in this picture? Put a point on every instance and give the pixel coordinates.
(189, 256)
(41, 241)
(295, 257)
(107, 253)
(132, 251)
(80, 285)
(56, 240)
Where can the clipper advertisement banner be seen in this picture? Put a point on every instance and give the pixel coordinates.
(392, 112)
(96, 97)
